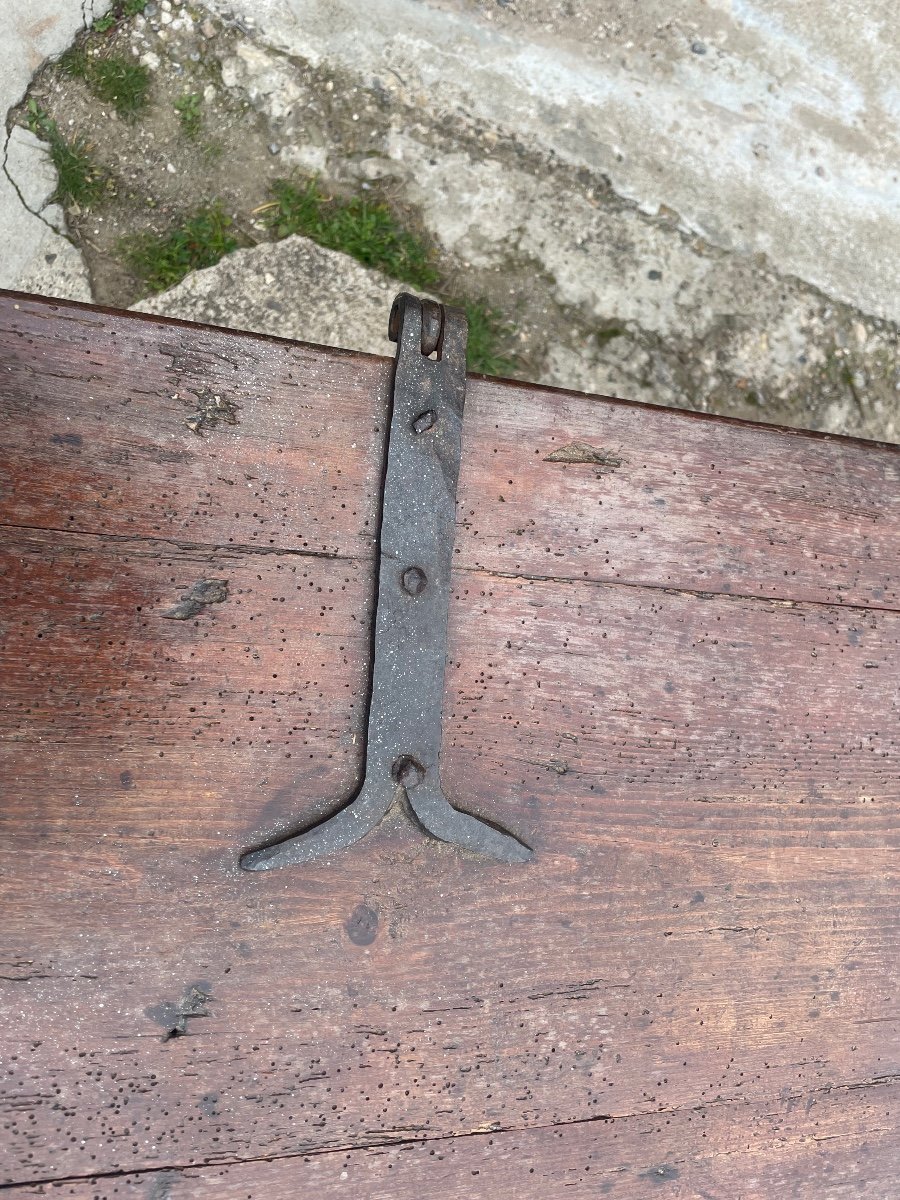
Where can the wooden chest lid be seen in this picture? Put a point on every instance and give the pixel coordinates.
(673, 672)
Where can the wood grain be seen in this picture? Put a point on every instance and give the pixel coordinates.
(806, 1146)
(688, 708)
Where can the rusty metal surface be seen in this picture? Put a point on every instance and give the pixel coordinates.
(410, 646)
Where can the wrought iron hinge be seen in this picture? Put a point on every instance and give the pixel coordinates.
(416, 538)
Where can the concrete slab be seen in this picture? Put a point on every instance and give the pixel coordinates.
(292, 289)
(769, 130)
(621, 302)
(34, 254)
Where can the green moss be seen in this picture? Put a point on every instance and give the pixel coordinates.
(79, 180)
(605, 335)
(199, 241)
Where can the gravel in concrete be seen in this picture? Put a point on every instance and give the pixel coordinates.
(781, 137)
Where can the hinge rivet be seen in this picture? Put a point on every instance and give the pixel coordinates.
(424, 421)
(408, 772)
(414, 581)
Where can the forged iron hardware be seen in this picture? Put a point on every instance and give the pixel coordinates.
(416, 536)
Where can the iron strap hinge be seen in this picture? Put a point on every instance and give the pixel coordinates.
(416, 536)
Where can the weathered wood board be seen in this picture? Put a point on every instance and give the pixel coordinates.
(673, 673)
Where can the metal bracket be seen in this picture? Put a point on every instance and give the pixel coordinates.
(418, 518)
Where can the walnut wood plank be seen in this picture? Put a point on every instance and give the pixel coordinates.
(633, 963)
(700, 964)
(835, 1144)
(142, 428)
(676, 501)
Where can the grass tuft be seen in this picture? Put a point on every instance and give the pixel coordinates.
(489, 335)
(365, 229)
(118, 12)
(113, 79)
(190, 115)
(368, 231)
(200, 241)
(79, 180)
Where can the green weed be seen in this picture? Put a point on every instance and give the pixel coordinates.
(118, 12)
(489, 338)
(79, 180)
(368, 231)
(200, 241)
(365, 229)
(189, 113)
(112, 79)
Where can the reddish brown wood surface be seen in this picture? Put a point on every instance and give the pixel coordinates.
(676, 678)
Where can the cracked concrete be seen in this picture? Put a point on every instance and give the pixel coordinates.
(694, 208)
(38, 255)
(35, 253)
(780, 136)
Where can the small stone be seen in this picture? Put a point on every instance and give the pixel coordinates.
(698, 47)
(312, 159)
(166, 5)
(150, 61)
(274, 148)
(170, 168)
(208, 29)
(231, 72)
(378, 167)
(165, 17)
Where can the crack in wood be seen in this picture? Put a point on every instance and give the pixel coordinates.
(237, 549)
(392, 1143)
